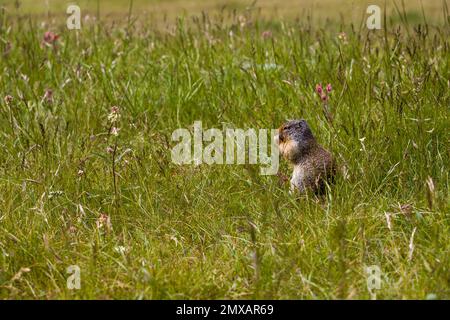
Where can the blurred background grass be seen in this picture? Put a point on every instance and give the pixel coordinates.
(160, 10)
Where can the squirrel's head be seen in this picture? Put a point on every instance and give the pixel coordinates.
(295, 139)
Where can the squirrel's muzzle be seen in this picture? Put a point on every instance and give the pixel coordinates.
(281, 135)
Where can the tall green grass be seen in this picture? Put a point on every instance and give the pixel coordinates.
(222, 231)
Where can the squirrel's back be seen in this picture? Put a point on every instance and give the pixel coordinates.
(318, 167)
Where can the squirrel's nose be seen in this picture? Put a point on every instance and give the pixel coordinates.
(281, 137)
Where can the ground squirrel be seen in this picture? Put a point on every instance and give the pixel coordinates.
(313, 165)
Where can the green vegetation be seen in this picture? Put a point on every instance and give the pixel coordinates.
(140, 226)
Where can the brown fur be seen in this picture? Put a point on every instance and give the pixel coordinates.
(319, 167)
(312, 167)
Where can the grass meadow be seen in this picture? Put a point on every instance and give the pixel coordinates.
(75, 191)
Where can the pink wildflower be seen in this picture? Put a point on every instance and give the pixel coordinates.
(48, 95)
(8, 99)
(266, 34)
(50, 37)
(319, 88)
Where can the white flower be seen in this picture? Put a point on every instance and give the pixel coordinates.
(114, 115)
(120, 249)
(115, 131)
